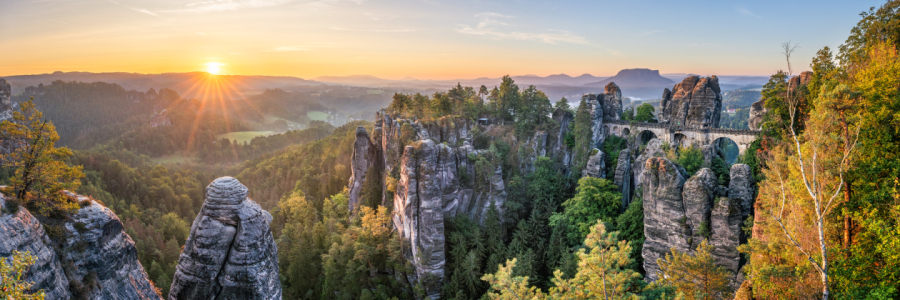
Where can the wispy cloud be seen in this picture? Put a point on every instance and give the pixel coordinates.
(490, 22)
(288, 48)
(140, 10)
(645, 33)
(747, 12)
(231, 5)
(373, 30)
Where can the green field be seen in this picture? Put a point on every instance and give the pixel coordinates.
(317, 115)
(244, 136)
(172, 159)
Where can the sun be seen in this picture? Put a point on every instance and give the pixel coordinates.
(213, 68)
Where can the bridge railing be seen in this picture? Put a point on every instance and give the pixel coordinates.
(674, 128)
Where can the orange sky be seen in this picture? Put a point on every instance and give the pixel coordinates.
(395, 39)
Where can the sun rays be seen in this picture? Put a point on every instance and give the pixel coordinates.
(217, 93)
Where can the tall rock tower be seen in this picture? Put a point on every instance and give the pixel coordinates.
(694, 102)
(230, 253)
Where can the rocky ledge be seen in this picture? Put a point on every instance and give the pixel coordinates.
(90, 257)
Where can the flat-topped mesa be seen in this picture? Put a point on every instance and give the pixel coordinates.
(695, 102)
(230, 253)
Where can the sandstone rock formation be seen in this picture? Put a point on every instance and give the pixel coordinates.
(694, 102)
(741, 189)
(22, 232)
(653, 149)
(365, 166)
(230, 253)
(664, 213)
(100, 258)
(93, 257)
(623, 176)
(758, 110)
(604, 106)
(596, 165)
(681, 212)
(757, 113)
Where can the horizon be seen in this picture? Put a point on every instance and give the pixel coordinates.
(425, 40)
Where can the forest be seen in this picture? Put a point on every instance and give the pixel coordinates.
(826, 163)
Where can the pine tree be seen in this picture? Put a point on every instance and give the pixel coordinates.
(40, 169)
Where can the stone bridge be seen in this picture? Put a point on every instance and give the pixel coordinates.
(679, 135)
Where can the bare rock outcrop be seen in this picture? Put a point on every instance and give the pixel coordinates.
(664, 213)
(418, 214)
(596, 165)
(20, 231)
(91, 256)
(364, 166)
(694, 102)
(624, 176)
(741, 189)
(680, 213)
(230, 253)
(160, 118)
(100, 259)
(654, 148)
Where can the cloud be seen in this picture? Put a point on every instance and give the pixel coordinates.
(489, 23)
(747, 12)
(652, 32)
(231, 5)
(373, 30)
(145, 11)
(140, 10)
(288, 48)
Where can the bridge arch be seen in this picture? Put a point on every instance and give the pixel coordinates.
(626, 131)
(681, 140)
(729, 148)
(646, 135)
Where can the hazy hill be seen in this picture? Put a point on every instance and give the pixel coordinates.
(186, 84)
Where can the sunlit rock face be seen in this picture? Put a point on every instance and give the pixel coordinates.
(230, 253)
(93, 258)
(694, 102)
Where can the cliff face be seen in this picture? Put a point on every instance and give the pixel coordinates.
(230, 253)
(694, 102)
(92, 259)
(680, 212)
(100, 258)
(22, 232)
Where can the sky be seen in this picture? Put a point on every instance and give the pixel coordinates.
(422, 39)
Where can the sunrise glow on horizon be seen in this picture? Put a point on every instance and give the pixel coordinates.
(418, 39)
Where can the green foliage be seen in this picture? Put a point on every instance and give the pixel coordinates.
(691, 158)
(876, 26)
(631, 228)
(697, 276)
(628, 114)
(611, 147)
(595, 199)
(740, 119)
(12, 285)
(328, 254)
(601, 272)
(645, 113)
(581, 130)
(740, 98)
(40, 170)
(722, 170)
